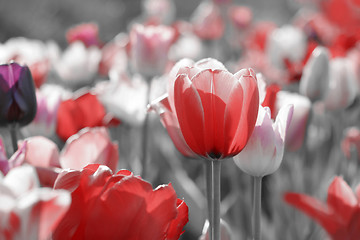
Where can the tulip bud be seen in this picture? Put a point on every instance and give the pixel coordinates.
(149, 49)
(17, 95)
(315, 77)
(264, 151)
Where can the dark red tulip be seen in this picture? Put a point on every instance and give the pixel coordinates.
(118, 206)
(17, 95)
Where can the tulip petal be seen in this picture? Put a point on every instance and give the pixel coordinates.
(21, 179)
(342, 199)
(177, 225)
(190, 114)
(40, 211)
(314, 209)
(213, 88)
(210, 63)
(42, 152)
(249, 111)
(88, 147)
(232, 117)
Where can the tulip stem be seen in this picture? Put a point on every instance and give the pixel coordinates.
(145, 132)
(257, 209)
(213, 169)
(13, 130)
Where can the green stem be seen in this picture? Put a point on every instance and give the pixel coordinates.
(144, 135)
(13, 130)
(213, 170)
(257, 208)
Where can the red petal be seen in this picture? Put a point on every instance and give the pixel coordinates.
(190, 114)
(342, 199)
(249, 111)
(232, 118)
(213, 88)
(316, 210)
(177, 225)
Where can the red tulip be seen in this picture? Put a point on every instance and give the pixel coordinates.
(339, 216)
(76, 114)
(118, 206)
(209, 112)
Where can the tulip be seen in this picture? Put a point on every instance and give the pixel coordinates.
(209, 113)
(207, 21)
(315, 78)
(43, 153)
(115, 95)
(298, 125)
(87, 33)
(28, 211)
(342, 89)
(287, 42)
(84, 111)
(159, 11)
(339, 216)
(17, 95)
(149, 49)
(118, 206)
(195, 95)
(76, 154)
(264, 151)
(78, 65)
(241, 17)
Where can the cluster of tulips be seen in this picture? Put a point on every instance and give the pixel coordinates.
(253, 127)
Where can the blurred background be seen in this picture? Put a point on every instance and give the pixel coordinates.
(46, 20)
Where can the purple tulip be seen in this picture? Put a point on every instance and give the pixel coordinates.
(17, 95)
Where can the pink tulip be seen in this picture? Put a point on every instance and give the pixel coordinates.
(87, 33)
(149, 48)
(209, 112)
(28, 211)
(207, 21)
(315, 78)
(241, 17)
(41, 152)
(89, 146)
(264, 151)
(297, 128)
